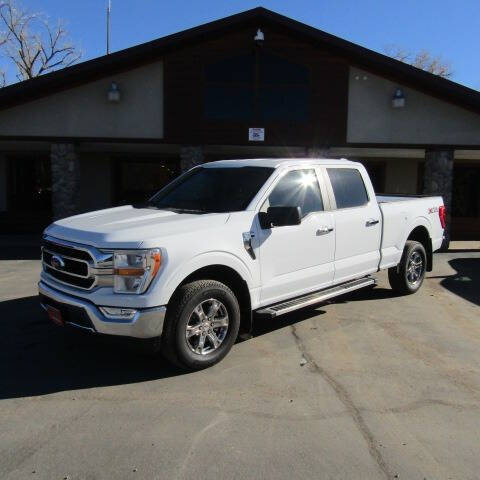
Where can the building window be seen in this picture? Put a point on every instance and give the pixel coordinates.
(138, 180)
(284, 93)
(257, 87)
(229, 88)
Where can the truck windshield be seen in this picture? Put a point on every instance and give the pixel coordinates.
(209, 190)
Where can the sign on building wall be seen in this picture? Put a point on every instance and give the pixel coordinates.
(256, 134)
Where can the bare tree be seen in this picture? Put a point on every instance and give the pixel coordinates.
(3, 41)
(423, 60)
(31, 43)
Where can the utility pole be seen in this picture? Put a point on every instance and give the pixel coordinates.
(109, 9)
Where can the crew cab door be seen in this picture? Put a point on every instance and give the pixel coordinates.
(295, 259)
(358, 222)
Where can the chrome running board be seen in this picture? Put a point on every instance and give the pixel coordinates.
(316, 297)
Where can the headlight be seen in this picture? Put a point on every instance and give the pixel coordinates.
(134, 270)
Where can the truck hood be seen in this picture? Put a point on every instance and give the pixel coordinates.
(130, 227)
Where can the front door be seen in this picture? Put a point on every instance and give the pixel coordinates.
(299, 258)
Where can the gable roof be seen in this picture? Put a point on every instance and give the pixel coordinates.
(147, 52)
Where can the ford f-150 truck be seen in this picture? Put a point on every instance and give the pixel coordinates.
(227, 241)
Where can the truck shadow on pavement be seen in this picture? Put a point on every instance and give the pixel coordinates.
(466, 282)
(39, 358)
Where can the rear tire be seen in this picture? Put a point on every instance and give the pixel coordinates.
(201, 326)
(407, 277)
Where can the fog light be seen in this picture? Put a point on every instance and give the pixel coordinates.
(115, 313)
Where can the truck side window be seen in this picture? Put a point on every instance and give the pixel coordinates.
(297, 188)
(348, 187)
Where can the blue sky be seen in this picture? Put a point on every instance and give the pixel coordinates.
(444, 27)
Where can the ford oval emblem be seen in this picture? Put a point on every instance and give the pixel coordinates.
(57, 262)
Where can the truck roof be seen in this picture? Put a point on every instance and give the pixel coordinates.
(277, 162)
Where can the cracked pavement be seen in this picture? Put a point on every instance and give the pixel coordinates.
(370, 386)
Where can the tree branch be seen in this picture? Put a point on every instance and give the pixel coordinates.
(32, 44)
(423, 60)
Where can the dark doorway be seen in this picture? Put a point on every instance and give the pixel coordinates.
(29, 194)
(466, 202)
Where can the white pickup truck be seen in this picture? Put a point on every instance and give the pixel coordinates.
(229, 240)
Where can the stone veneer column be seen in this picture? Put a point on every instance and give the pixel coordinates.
(438, 181)
(190, 156)
(65, 165)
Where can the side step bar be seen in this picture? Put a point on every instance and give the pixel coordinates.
(316, 297)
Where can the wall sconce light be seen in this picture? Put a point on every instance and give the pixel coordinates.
(113, 93)
(398, 99)
(259, 37)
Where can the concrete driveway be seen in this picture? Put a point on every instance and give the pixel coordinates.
(390, 389)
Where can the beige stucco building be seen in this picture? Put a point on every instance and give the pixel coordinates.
(115, 129)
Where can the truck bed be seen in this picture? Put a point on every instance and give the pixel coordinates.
(404, 213)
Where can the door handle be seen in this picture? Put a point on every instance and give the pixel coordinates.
(371, 222)
(324, 230)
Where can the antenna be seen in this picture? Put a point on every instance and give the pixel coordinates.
(109, 9)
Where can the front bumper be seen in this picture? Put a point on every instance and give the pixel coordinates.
(147, 323)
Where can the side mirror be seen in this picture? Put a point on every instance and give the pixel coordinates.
(280, 217)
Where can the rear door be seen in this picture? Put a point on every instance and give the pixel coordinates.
(357, 221)
(299, 258)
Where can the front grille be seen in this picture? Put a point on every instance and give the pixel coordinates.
(71, 266)
(67, 250)
(85, 283)
(68, 264)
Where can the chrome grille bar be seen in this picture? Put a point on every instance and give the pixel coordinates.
(76, 265)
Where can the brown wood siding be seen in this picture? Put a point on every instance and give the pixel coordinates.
(184, 90)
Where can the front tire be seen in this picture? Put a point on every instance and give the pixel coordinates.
(202, 323)
(407, 277)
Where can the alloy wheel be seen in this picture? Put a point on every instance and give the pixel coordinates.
(414, 268)
(207, 326)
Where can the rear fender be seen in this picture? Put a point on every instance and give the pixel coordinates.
(422, 222)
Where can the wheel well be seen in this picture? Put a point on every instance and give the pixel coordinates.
(420, 234)
(235, 282)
